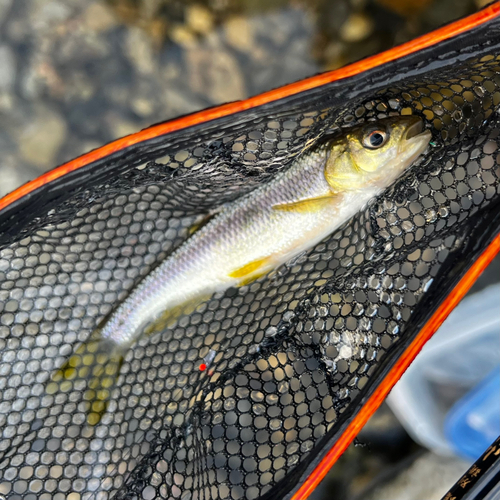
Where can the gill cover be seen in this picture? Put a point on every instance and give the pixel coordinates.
(375, 153)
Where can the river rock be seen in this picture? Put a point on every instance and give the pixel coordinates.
(41, 138)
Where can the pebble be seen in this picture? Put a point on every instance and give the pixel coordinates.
(358, 27)
(239, 34)
(99, 18)
(144, 97)
(199, 19)
(150, 8)
(8, 68)
(47, 14)
(215, 72)
(5, 6)
(41, 138)
(334, 54)
(282, 50)
(6, 102)
(142, 106)
(139, 49)
(12, 175)
(76, 86)
(183, 36)
(178, 100)
(281, 28)
(429, 476)
(119, 126)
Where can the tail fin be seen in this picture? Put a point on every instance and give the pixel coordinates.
(97, 362)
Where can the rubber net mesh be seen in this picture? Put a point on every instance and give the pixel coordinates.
(286, 358)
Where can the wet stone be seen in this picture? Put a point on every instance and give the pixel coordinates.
(214, 71)
(40, 140)
(7, 68)
(356, 28)
(199, 19)
(5, 6)
(118, 125)
(47, 14)
(139, 49)
(239, 34)
(105, 69)
(99, 17)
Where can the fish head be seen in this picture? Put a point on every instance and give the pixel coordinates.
(376, 153)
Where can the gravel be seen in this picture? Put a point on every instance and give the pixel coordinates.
(75, 75)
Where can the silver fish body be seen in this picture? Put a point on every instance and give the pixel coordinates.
(248, 230)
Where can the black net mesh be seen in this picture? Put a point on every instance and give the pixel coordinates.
(289, 358)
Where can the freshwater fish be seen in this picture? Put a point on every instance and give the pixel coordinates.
(249, 237)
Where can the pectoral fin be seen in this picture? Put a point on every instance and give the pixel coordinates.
(202, 222)
(310, 205)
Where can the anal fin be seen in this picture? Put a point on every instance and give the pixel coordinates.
(168, 317)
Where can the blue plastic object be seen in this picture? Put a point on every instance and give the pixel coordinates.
(452, 364)
(473, 422)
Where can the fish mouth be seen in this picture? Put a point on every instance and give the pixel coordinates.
(414, 129)
(415, 140)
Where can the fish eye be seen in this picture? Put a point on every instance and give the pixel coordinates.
(375, 138)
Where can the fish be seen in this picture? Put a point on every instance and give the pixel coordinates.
(249, 237)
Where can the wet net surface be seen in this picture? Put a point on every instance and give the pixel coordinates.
(237, 399)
